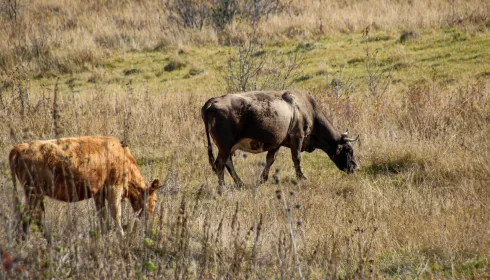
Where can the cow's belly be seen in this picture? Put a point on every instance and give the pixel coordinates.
(67, 189)
(66, 192)
(250, 146)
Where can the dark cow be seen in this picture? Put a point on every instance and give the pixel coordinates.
(263, 121)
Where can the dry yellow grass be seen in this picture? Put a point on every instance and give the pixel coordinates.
(419, 207)
(51, 36)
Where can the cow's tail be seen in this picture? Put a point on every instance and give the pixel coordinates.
(204, 115)
(13, 161)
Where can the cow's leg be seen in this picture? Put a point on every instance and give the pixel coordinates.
(99, 199)
(234, 175)
(224, 139)
(114, 195)
(39, 212)
(35, 207)
(26, 220)
(220, 169)
(271, 157)
(296, 154)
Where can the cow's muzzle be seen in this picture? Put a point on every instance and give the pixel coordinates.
(352, 169)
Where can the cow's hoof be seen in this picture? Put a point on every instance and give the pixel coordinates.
(263, 180)
(302, 178)
(240, 185)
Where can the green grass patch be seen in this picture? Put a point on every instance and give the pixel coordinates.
(433, 52)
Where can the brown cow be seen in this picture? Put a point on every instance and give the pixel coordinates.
(74, 169)
(263, 121)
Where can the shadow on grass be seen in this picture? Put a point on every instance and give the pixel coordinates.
(392, 166)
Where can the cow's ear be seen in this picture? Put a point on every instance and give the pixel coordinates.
(155, 185)
(339, 149)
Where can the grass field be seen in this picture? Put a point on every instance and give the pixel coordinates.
(418, 208)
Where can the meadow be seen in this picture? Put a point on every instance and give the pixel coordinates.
(411, 77)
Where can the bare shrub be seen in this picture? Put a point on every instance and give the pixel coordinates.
(379, 77)
(339, 84)
(219, 13)
(19, 83)
(189, 13)
(56, 113)
(252, 67)
(223, 12)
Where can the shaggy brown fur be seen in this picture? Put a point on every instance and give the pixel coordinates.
(74, 169)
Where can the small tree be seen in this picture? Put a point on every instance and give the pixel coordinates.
(251, 67)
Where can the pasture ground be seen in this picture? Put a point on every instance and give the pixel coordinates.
(419, 207)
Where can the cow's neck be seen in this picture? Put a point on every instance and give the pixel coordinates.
(327, 137)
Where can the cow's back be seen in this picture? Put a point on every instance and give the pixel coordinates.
(72, 169)
(263, 116)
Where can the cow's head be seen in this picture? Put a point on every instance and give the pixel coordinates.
(138, 202)
(344, 154)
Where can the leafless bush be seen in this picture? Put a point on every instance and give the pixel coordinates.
(189, 13)
(251, 67)
(56, 113)
(223, 12)
(18, 80)
(379, 77)
(219, 13)
(339, 83)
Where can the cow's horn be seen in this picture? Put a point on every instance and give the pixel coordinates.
(345, 133)
(346, 139)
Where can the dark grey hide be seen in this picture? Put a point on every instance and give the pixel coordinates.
(264, 121)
